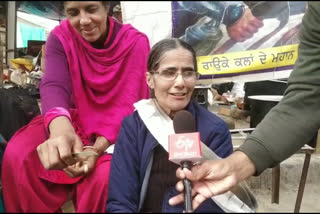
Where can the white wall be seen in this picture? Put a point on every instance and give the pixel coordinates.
(154, 18)
(37, 21)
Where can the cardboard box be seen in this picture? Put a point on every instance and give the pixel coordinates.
(224, 111)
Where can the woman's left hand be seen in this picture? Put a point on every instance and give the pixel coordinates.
(83, 167)
(87, 164)
(101, 144)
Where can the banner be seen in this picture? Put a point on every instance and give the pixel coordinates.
(240, 62)
(227, 49)
(216, 30)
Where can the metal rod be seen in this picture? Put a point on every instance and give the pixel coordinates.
(1, 65)
(275, 184)
(302, 182)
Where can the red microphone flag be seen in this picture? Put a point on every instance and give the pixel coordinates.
(184, 147)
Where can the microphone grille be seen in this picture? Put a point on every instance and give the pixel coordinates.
(183, 122)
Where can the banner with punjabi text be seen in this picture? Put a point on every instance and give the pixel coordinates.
(246, 61)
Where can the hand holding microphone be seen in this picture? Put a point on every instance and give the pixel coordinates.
(185, 149)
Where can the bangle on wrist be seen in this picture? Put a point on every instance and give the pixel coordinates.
(93, 148)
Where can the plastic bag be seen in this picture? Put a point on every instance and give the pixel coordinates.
(21, 63)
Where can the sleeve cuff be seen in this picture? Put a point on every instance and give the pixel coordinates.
(53, 113)
(233, 13)
(258, 154)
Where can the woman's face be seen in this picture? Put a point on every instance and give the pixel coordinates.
(89, 18)
(173, 95)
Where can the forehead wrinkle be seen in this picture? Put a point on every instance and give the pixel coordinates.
(170, 68)
(174, 68)
(81, 5)
(188, 68)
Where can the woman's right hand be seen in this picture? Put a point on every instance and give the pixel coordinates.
(56, 152)
(213, 177)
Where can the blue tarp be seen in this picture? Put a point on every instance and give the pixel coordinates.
(29, 32)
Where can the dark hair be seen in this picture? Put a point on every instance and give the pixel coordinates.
(161, 47)
(104, 3)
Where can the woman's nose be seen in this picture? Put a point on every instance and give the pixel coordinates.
(179, 81)
(84, 18)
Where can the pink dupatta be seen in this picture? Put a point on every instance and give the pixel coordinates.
(106, 82)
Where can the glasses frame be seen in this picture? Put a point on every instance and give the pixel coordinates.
(177, 74)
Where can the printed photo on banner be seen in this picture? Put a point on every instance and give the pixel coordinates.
(237, 37)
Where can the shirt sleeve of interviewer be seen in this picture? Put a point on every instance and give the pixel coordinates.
(296, 119)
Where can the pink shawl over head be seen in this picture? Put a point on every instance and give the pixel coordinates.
(106, 82)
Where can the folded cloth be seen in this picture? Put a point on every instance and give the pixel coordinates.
(241, 190)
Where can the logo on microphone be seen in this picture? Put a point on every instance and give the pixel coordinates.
(184, 142)
(184, 147)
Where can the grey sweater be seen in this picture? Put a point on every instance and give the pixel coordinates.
(296, 119)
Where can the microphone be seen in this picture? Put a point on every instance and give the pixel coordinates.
(185, 149)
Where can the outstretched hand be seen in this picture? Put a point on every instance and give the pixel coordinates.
(212, 178)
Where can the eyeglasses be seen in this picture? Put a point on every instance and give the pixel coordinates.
(170, 75)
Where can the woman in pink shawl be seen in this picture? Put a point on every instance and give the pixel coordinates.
(94, 72)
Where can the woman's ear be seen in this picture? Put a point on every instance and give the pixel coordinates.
(149, 80)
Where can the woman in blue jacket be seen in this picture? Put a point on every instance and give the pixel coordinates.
(142, 179)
